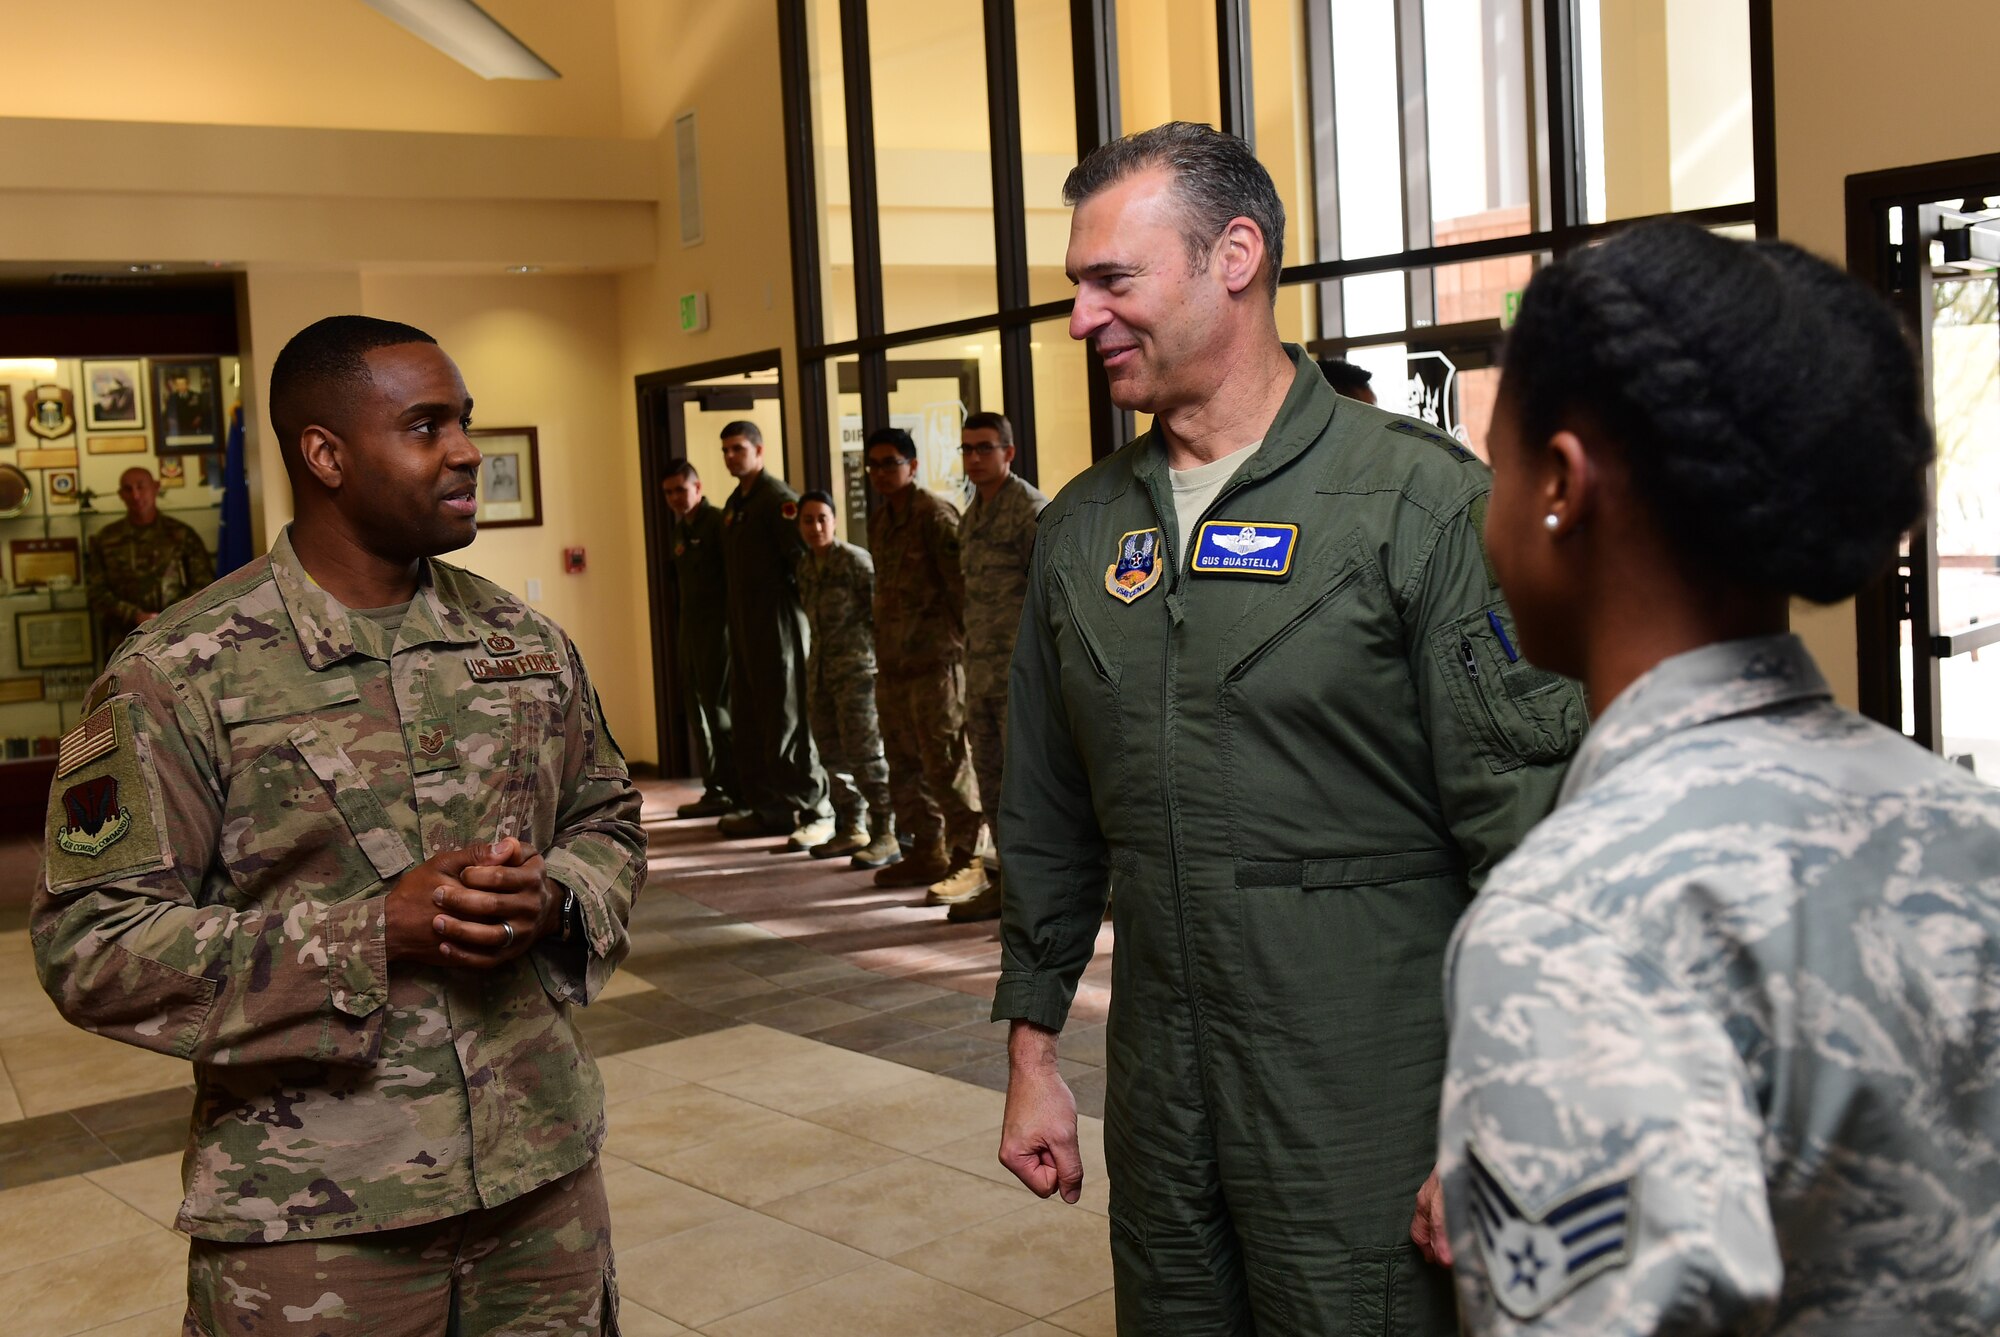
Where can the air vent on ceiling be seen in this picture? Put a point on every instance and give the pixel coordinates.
(689, 171)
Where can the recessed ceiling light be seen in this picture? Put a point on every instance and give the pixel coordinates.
(469, 35)
(524, 269)
(151, 267)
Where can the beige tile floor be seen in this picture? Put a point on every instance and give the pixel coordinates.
(762, 1185)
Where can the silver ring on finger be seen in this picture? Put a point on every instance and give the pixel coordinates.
(508, 929)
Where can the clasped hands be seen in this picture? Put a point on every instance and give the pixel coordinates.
(476, 908)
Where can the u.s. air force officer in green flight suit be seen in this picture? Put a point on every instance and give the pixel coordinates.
(1265, 687)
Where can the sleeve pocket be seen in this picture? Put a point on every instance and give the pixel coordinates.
(1518, 714)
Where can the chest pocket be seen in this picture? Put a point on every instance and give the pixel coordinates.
(1289, 611)
(301, 809)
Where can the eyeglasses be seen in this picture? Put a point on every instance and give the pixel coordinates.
(887, 462)
(980, 448)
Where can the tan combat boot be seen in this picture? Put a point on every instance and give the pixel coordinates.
(965, 882)
(807, 834)
(881, 852)
(850, 840)
(919, 868)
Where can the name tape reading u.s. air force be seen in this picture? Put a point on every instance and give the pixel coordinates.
(1244, 548)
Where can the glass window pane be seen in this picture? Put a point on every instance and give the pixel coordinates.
(1665, 92)
(1476, 105)
(1367, 127)
(1168, 69)
(1284, 142)
(1062, 405)
(933, 160)
(1048, 139)
(829, 122)
(1451, 387)
(932, 388)
(850, 475)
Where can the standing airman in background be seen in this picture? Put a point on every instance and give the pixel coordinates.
(837, 588)
(782, 792)
(920, 647)
(701, 638)
(996, 543)
(135, 567)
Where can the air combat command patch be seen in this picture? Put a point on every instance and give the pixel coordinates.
(1244, 548)
(1138, 566)
(95, 822)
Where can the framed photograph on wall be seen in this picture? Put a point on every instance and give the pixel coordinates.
(187, 405)
(53, 639)
(114, 394)
(6, 414)
(510, 479)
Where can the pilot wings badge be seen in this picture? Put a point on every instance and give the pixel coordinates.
(1138, 566)
(1244, 548)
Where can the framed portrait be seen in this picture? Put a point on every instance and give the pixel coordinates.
(114, 394)
(510, 478)
(6, 414)
(187, 405)
(53, 639)
(117, 445)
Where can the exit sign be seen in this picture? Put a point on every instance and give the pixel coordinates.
(1510, 308)
(694, 312)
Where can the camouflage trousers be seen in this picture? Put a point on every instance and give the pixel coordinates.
(540, 1264)
(930, 776)
(986, 735)
(844, 728)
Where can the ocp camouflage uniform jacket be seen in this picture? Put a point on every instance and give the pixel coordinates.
(223, 832)
(837, 589)
(919, 585)
(1725, 1029)
(996, 543)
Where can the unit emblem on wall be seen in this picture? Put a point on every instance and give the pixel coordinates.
(51, 411)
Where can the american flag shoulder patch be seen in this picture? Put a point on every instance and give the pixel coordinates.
(95, 735)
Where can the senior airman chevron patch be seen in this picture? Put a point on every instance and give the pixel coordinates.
(1534, 1259)
(94, 736)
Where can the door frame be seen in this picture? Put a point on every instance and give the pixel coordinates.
(661, 395)
(1903, 276)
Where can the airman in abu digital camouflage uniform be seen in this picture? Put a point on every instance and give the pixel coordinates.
(1725, 1030)
(137, 566)
(996, 543)
(348, 833)
(837, 588)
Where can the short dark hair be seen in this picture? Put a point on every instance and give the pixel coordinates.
(744, 428)
(322, 366)
(890, 436)
(680, 469)
(1770, 408)
(992, 422)
(822, 496)
(1343, 375)
(1216, 178)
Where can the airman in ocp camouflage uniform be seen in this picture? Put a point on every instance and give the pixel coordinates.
(357, 862)
(1737, 993)
(920, 646)
(996, 544)
(137, 566)
(837, 589)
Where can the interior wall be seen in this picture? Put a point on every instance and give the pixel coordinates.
(541, 351)
(1850, 97)
(331, 63)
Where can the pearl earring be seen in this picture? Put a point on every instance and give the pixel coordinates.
(1552, 522)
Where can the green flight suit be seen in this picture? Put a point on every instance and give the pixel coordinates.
(776, 767)
(1296, 782)
(701, 643)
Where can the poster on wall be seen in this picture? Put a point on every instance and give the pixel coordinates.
(187, 405)
(113, 397)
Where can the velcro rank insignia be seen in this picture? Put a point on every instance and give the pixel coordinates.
(1533, 1259)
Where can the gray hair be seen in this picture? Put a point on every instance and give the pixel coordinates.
(1215, 176)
